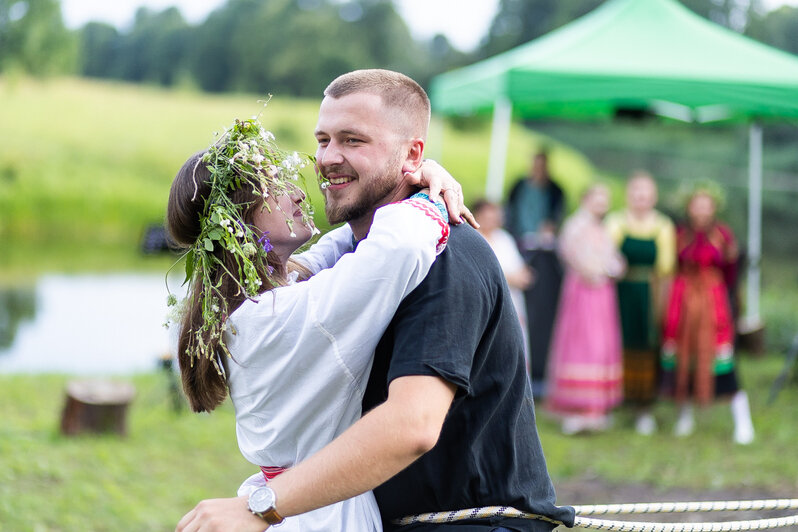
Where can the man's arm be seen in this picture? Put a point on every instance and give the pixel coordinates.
(380, 445)
(377, 447)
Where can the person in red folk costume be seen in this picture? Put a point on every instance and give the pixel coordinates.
(698, 338)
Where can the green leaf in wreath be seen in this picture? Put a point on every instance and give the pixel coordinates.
(189, 266)
(208, 244)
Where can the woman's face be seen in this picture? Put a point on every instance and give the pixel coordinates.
(641, 194)
(701, 210)
(490, 217)
(598, 202)
(280, 219)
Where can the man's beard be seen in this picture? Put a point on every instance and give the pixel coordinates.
(380, 185)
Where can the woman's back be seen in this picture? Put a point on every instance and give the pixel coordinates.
(301, 354)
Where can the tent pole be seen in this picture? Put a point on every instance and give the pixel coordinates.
(754, 224)
(434, 148)
(499, 137)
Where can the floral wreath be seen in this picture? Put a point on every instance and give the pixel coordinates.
(245, 155)
(688, 190)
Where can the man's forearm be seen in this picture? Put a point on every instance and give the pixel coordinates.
(377, 447)
(363, 457)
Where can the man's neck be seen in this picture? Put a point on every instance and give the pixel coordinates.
(361, 226)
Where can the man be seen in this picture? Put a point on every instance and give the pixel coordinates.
(534, 211)
(449, 420)
(535, 204)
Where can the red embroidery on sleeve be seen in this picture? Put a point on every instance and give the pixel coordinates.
(431, 211)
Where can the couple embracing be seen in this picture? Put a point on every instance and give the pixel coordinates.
(379, 374)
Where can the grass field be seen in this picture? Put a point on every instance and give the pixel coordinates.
(85, 166)
(142, 482)
(169, 461)
(706, 461)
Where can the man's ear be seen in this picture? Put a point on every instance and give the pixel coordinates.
(415, 155)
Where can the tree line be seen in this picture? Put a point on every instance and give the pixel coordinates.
(297, 46)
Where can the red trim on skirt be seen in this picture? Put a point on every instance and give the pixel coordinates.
(270, 472)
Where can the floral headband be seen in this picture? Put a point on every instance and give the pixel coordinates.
(246, 155)
(688, 190)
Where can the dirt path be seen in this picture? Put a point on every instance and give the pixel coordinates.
(596, 491)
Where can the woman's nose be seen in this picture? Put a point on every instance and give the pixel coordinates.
(298, 195)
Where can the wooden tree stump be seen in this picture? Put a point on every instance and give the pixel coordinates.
(96, 406)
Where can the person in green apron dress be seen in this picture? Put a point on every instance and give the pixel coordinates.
(646, 238)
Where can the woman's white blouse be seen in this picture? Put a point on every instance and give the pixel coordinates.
(301, 354)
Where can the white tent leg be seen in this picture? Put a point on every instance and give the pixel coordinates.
(499, 137)
(752, 318)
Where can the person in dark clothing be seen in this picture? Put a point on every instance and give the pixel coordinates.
(535, 208)
(535, 205)
(488, 452)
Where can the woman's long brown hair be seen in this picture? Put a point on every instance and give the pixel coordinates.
(204, 385)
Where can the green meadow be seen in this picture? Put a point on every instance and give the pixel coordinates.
(85, 166)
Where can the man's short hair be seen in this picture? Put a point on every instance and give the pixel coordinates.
(396, 91)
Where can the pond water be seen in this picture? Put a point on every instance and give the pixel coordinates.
(86, 324)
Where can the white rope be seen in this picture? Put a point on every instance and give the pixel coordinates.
(728, 526)
(635, 508)
(685, 507)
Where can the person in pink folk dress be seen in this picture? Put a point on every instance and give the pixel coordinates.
(585, 369)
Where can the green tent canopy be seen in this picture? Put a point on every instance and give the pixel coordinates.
(639, 54)
(655, 56)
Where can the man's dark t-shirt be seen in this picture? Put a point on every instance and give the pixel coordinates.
(459, 324)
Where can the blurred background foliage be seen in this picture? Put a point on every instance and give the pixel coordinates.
(297, 46)
(95, 120)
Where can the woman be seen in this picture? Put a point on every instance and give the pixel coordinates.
(516, 272)
(585, 366)
(294, 355)
(698, 339)
(646, 239)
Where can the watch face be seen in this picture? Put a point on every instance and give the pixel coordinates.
(261, 500)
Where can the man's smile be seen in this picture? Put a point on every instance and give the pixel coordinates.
(339, 180)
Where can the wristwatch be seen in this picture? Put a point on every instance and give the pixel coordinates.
(262, 503)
